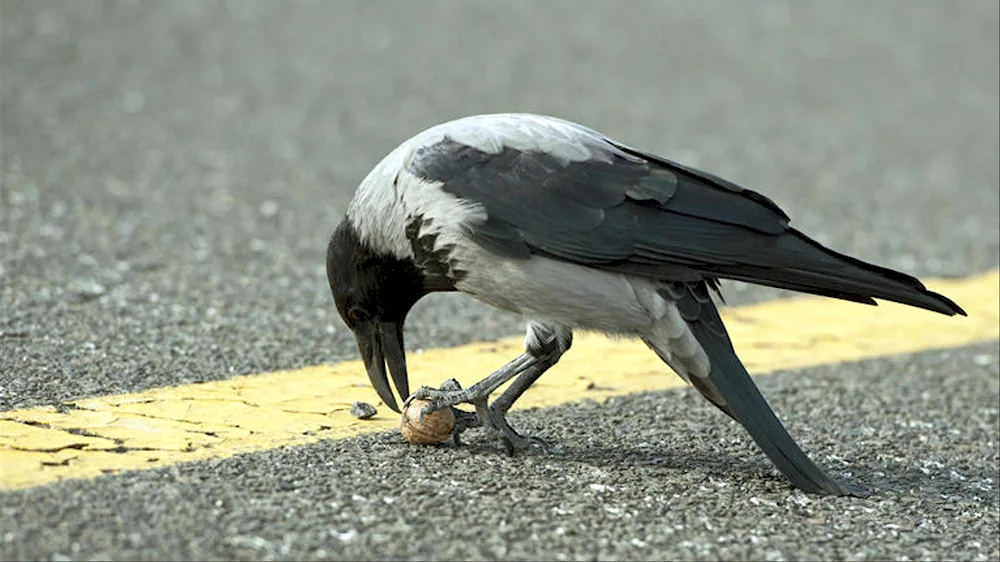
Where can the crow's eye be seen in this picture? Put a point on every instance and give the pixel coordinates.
(356, 314)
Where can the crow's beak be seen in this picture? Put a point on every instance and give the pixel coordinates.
(381, 343)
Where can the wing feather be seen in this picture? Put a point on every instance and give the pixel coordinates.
(624, 210)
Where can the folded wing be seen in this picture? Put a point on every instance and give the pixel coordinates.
(620, 209)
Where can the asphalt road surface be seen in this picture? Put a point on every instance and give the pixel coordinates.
(171, 172)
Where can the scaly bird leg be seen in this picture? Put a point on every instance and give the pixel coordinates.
(545, 345)
(497, 412)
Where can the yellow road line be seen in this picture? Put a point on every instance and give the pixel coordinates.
(220, 419)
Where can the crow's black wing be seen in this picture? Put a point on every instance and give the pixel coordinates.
(628, 211)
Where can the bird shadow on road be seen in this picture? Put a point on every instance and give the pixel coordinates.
(975, 484)
(688, 461)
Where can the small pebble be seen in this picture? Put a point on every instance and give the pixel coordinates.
(82, 290)
(363, 410)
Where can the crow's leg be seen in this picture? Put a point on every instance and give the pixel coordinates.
(444, 398)
(544, 345)
(555, 346)
(463, 419)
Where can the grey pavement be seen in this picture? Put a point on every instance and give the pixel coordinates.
(651, 476)
(171, 171)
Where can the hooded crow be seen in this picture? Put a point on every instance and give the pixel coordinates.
(573, 230)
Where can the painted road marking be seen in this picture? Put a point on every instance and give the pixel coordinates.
(165, 426)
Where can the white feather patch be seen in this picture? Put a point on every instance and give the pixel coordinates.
(564, 140)
(389, 195)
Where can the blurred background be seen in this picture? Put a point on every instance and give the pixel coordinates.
(172, 170)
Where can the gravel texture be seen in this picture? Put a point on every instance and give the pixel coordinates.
(170, 172)
(660, 476)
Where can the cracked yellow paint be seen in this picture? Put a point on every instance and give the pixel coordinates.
(164, 426)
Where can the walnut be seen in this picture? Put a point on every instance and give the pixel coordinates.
(434, 428)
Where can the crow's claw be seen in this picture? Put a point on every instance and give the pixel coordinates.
(451, 393)
(512, 441)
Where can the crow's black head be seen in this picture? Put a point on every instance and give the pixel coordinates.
(373, 293)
